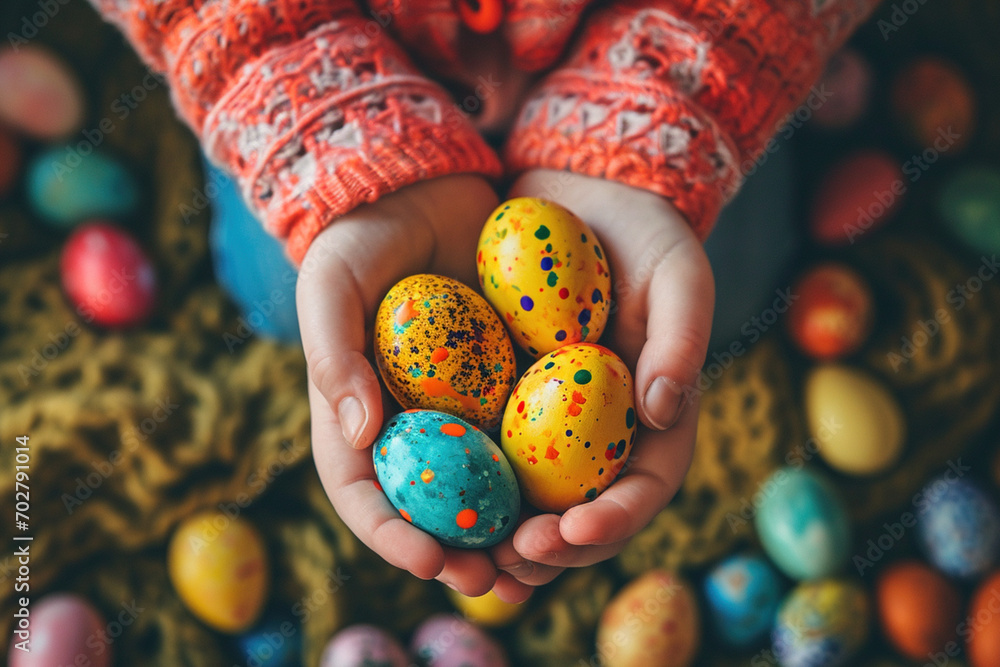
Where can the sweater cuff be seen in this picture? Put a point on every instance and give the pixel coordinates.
(649, 137)
(316, 127)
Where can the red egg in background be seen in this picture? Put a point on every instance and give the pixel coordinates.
(41, 96)
(983, 624)
(935, 104)
(10, 161)
(64, 629)
(858, 195)
(848, 81)
(107, 277)
(834, 313)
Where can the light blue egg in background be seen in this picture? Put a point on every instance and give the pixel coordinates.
(958, 526)
(274, 642)
(249, 263)
(447, 478)
(66, 187)
(743, 593)
(802, 524)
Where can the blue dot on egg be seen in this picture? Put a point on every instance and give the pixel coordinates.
(546, 263)
(527, 303)
(584, 317)
(597, 251)
(629, 418)
(560, 335)
(582, 376)
(550, 365)
(596, 297)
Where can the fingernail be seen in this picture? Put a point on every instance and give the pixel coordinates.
(522, 569)
(662, 403)
(353, 418)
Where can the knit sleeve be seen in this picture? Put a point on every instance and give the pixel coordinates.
(674, 96)
(309, 104)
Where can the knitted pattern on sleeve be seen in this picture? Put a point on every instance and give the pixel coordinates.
(312, 110)
(673, 96)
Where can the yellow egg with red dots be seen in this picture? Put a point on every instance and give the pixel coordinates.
(219, 568)
(545, 273)
(439, 346)
(569, 426)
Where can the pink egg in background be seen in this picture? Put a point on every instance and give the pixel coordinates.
(107, 277)
(64, 630)
(359, 645)
(848, 82)
(858, 195)
(448, 640)
(10, 161)
(41, 96)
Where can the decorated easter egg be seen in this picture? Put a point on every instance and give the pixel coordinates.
(107, 277)
(847, 83)
(488, 609)
(958, 525)
(546, 273)
(363, 645)
(802, 524)
(652, 621)
(821, 624)
(250, 264)
(447, 478)
(41, 97)
(970, 207)
(742, 594)
(219, 568)
(60, 629)
(275, 642)
(855, 420)
(439, 346)
(446, 640)
(859, 194)
(10, 161)
(935, 103)
(919, 608)
(981, 627)
(65, 187)
(833, 313)
(569, 426)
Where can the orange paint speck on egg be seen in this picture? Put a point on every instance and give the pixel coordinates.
(466, 518)
(377, 485)
(383, 451)
(405, 515)
(551, 452)
(439, 355)
(454, 430)
(574, 410)
(427, 476)
(406, 312)
(496, 458)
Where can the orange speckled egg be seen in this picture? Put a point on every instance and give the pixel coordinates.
(652, 621)
(936, 104)
(919, 609)
(833, 314)
(569, 426)
(545, 272)
(439, 346)
(982, 624)
(219, 568)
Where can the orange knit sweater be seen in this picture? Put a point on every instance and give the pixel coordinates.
(315, 106)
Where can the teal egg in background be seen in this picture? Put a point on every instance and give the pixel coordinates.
(742, 594)
(249, 263)
(274, 642)
(970, 207)
(802, 524)
(447, 478)
(65, 187)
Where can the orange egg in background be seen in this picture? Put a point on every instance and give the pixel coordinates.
(982, 630)
(919, 609)
(934, 102)
(833, 314)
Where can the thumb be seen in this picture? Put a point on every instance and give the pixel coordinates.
(680, 302)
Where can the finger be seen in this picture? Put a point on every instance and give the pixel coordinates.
(511, 590)
(530, 573)
(539, 540)
(469, 571)
(679, 303)
(348, 476)
(652, 476)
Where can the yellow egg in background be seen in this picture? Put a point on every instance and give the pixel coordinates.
(219, 568)
(856, 421)
(654, 620)
(546, 274)
(487, 610)
(569, 426)
(439, 346)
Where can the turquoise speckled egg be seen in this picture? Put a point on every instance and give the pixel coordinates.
(970, 207)
(802, 524)
(743, 593)
(275, 642)
(446, 640)
(545, 273)
(959, 526)
(66, 187)
(447, 478)
(821, 624)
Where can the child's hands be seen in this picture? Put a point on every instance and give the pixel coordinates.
(661, 319)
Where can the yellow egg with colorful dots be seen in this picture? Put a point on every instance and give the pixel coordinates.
(439, 346)
(569, 426)
(488, 610)
(546, 273)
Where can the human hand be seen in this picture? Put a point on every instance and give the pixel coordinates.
(663, 297)
(429, 227)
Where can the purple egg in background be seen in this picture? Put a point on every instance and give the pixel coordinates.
(64, 629)
(364, 646)
(845, 90)
(446, 640)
